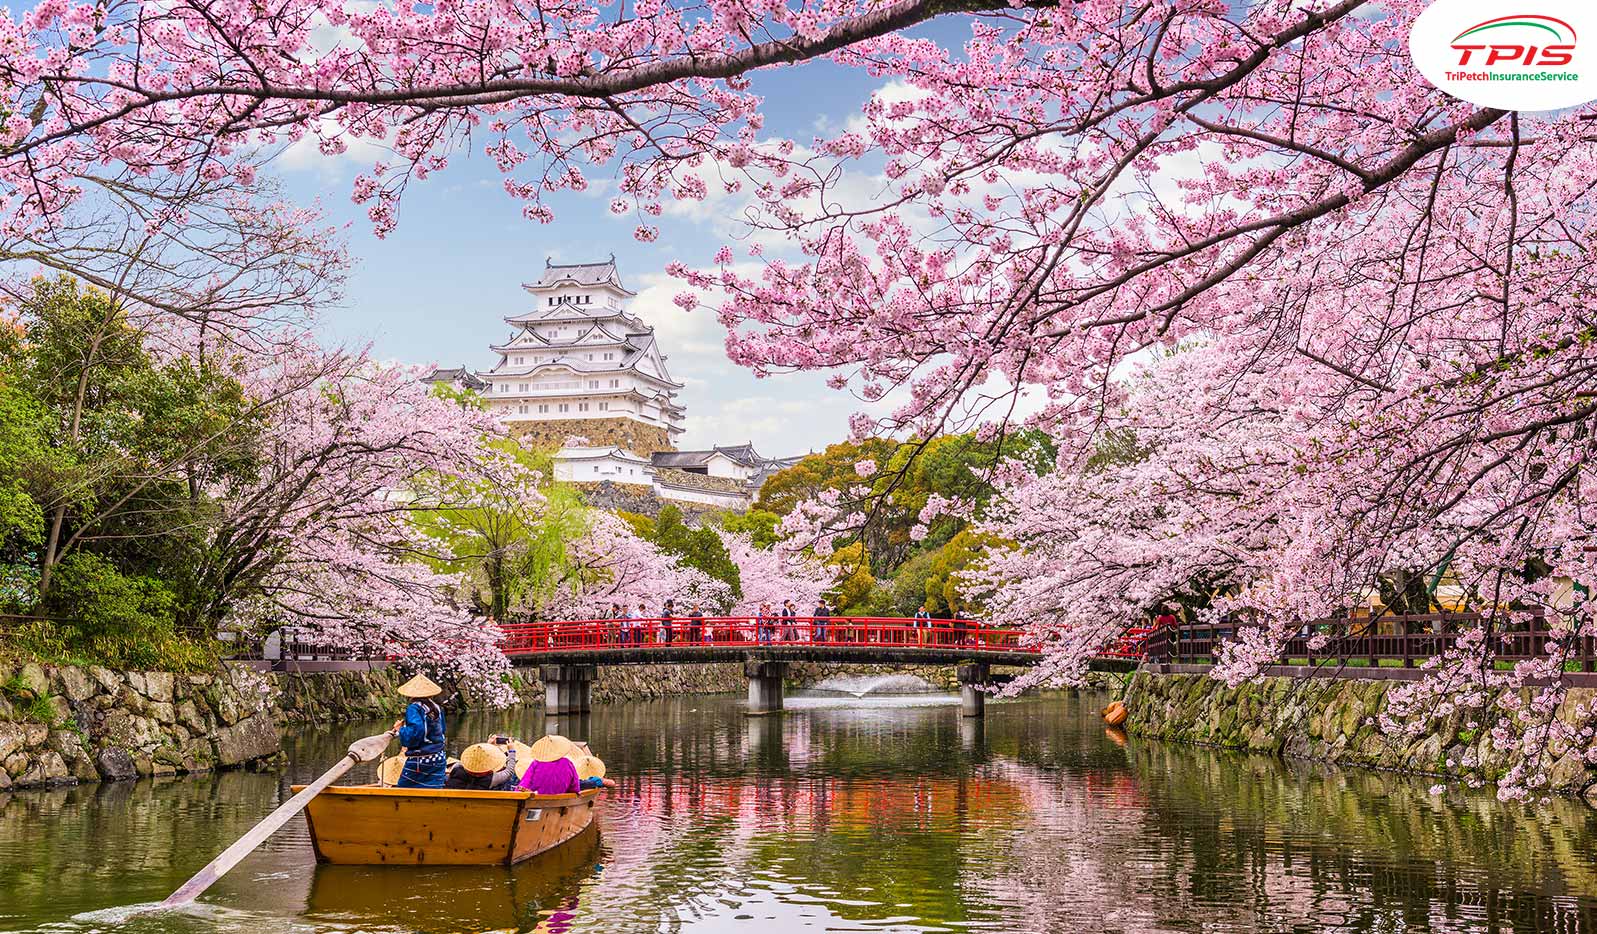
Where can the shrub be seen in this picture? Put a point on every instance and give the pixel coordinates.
(108, 617)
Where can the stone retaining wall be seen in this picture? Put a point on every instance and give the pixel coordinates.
(64, 725)
(1327, 720)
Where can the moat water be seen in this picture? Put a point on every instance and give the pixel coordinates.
(881, 813)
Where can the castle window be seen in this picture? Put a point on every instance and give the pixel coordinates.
(521, 360)
(604, 406)
(593, 384)
(609, 356)
(565, 407)
(523, 387)
(543, 409)
(614, 383)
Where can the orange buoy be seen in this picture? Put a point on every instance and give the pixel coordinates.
(1115, 714)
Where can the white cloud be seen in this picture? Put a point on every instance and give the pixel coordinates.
(305, 155)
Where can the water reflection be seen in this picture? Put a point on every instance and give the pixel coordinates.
(544, 890)
(888, 814)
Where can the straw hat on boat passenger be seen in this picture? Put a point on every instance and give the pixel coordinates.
(590, 767)
(482, 758)
(523, 756)
(388, 771)
(420, 686)
(553, 747)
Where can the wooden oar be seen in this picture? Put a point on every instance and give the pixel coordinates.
(362, 750)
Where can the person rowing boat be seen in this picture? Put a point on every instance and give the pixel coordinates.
(421, 732)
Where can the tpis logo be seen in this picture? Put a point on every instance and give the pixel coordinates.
(1507, 55)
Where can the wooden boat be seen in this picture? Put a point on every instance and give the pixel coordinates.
(366, 825)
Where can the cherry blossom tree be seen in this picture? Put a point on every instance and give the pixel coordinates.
(321, 538)
(1276, 504)
(618, 566)
(772, 575)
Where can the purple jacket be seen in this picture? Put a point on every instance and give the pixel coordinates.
(550, 778)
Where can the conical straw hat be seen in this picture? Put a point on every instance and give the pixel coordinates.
(420, 686)
(590, 767)
(553, 747)
(523, 756)
(482, 758)
(388, 771)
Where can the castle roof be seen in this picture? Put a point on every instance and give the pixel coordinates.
(585, 367)
(743, 454)
(555, 274)
(457, 375)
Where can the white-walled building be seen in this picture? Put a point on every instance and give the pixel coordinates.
(579, 355)
(593, 465)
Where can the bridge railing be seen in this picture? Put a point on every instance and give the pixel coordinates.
(754, 632)
(1385, 641)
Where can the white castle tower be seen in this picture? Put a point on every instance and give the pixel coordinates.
(579, 364)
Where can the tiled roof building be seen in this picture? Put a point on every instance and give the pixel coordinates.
(578, 355)
(581, 374)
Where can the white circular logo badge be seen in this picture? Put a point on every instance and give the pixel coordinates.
(1537, 55)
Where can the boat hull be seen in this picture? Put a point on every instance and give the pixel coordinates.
(371, 826)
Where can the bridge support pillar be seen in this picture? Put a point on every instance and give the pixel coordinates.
(567, 688)
(765, 685)
(972, 701)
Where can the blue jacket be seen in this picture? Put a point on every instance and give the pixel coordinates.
(423, 732)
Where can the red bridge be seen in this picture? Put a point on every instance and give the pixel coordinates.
(570, 651)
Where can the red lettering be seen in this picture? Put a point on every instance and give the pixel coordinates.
(1557, 55)
(1466, 49)
(1504, 53)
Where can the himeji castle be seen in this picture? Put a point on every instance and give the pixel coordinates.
(580, 373)
(579, 357)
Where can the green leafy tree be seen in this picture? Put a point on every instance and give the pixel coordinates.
(138, 446)
(506, 532)
(857, 591)
(907, 475)
(758, 524)
(123, 620)
(944, 593)
(694, 547)
(909, 583)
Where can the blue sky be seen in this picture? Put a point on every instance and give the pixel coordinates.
(435, 290)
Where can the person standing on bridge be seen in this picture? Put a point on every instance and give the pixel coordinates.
(922, 624)
(668, 620)
(789, 621)
(613, 631)
(629, 632)
(821, 614)
(765, 625)
(695, 624)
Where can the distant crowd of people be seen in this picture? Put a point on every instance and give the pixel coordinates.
(629, 626)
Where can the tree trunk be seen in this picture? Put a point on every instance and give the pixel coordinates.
(48, 560)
